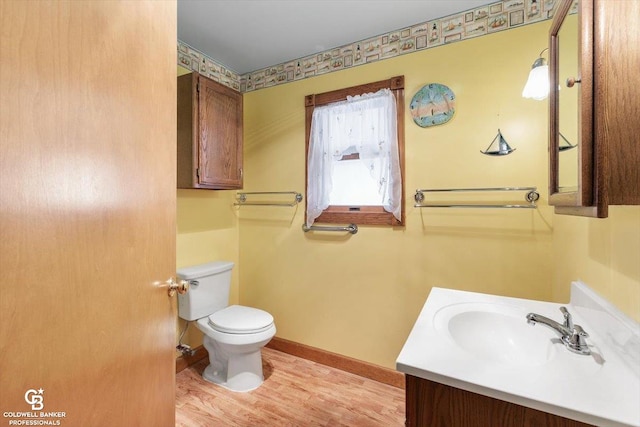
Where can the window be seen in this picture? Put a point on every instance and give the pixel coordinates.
(355, 154)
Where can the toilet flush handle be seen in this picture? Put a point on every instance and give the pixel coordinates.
(182, 287)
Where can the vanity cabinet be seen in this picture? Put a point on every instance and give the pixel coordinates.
(437, 405)
(209, 134)
(594, 105)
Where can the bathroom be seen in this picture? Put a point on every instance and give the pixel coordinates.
(324, 289)
(359, 295)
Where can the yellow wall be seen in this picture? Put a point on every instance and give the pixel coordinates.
(207, 231)
(359, 295)
(603, 253)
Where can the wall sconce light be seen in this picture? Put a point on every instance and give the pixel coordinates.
(537, 86)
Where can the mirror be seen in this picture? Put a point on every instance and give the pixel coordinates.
(568, 104)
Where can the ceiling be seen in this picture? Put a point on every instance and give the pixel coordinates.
(248, 35)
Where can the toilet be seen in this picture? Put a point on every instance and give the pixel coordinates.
(233, 335)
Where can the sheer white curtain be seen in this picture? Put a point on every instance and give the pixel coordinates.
(365, 124)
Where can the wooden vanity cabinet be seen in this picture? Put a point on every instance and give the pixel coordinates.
(209, 134)
(607, 93)
(437, 405)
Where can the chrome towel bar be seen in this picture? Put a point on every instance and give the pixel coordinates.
(351, 228)
(242, 198)
(530, 197)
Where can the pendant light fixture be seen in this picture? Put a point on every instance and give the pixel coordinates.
(537, 86)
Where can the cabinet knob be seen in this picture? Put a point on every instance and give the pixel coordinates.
(572, 81)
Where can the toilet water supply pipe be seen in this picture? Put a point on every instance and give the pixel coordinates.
(184, 348)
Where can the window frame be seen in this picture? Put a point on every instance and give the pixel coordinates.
(365, 215)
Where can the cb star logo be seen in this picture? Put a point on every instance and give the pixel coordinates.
(35, 399)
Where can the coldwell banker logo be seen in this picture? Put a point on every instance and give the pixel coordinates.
(37, 417)
(35, 399)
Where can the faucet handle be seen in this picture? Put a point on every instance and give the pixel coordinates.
(568, 321)
(576, 342)
(580, 332)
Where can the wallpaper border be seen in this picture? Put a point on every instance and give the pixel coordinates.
(494, 17)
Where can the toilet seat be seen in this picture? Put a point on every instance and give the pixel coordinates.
(238, 319)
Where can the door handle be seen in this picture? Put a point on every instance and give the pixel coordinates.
(181, 287)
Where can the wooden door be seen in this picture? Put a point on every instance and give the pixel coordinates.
(220, 135)
(87, 203)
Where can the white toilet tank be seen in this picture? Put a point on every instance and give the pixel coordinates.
(208, 290)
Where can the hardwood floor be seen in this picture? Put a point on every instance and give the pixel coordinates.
(296, 392)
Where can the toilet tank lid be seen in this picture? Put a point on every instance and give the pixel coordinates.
(201, 270)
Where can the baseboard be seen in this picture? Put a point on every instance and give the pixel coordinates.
(338, 361)
(183, 362)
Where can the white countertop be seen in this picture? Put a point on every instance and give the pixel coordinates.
(601, 389)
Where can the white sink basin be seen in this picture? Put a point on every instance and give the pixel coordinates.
(496, 332)
(483, 344)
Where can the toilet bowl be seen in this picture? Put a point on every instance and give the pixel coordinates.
(233, 335)
(235, 357)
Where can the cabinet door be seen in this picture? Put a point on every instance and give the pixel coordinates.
(219, 136)
(607, 100)
(572, 172)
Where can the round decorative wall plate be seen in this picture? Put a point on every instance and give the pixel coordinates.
(433, 105)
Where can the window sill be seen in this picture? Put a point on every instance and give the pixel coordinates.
(367, 215)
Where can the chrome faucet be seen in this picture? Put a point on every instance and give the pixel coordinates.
(572, 336)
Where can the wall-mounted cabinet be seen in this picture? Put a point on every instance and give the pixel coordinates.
(209, 134)
(594, 104)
